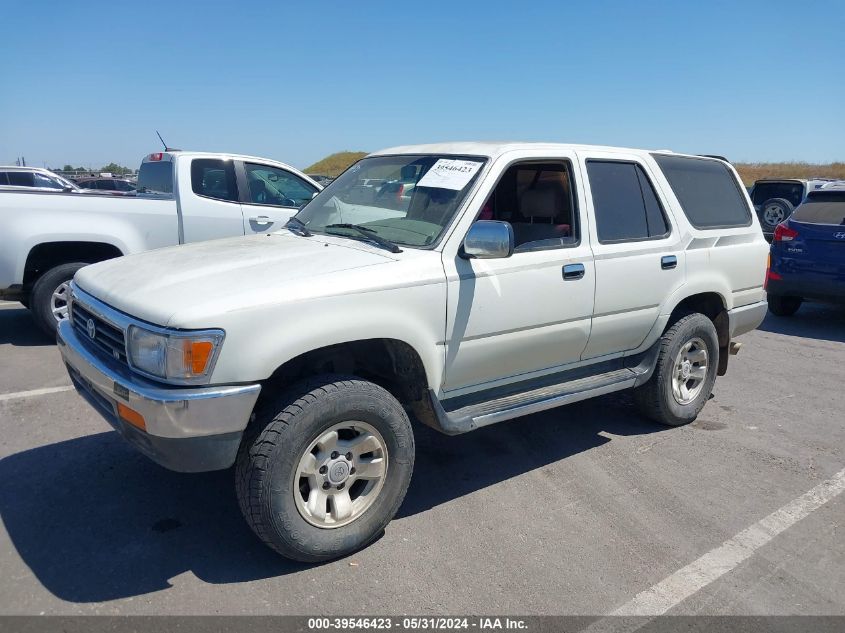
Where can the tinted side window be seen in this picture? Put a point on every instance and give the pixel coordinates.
(707, 190)
(271, 185)
(105, 184)
(625, 203)
(20, 178)
(4, 179)
(214, 178)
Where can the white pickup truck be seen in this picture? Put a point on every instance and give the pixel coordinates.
(46, 235)
(513, 278)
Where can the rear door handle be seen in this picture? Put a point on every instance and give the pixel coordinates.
(668, 262)
(261, 219)
(571, 272)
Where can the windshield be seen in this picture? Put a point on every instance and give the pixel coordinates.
(407, 199)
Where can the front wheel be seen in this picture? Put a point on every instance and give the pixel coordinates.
(324, 467)
(49, 296)
(685, 372)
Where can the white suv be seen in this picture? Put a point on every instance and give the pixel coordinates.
(514, 278)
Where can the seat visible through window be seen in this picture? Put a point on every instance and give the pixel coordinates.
(537, 201)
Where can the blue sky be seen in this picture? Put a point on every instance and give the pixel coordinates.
(89, 82)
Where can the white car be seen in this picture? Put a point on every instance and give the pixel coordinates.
(47, 233)
(519, 277)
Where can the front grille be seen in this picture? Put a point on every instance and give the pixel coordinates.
(107, 338)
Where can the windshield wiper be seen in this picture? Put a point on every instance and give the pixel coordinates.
(296, 223)
(370, 234)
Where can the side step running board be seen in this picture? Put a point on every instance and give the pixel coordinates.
(468, 418)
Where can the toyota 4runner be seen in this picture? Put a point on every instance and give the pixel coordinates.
(510, 279)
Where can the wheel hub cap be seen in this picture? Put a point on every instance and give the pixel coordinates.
(339, 472)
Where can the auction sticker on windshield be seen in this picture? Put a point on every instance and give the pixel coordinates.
(448, 173)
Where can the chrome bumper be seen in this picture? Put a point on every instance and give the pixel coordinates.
(187, 429)
(746, 318)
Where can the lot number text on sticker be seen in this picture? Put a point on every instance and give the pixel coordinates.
(447, 173)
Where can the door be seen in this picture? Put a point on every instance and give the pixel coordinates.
(271, 196)
(530, 312)
(638, 256)
(208, 199)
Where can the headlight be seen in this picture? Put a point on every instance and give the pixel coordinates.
(178, 356)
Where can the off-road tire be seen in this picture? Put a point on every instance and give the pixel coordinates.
(783, 306)
(280, 432)
(42, 294)
(655, 399)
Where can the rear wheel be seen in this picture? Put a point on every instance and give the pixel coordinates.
(685, 372)
(324, 467)
(784, 306)
(48, 300)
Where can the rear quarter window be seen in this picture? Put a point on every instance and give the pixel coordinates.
(822, 208)
(709, 194)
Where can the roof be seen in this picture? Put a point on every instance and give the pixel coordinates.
(495, 149)
(20, 168)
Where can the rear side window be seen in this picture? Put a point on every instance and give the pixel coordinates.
(21, 179)
(626, 206)
(4, 179)
(707, 190)
(822, 208)
(156, 177)
(214, 178)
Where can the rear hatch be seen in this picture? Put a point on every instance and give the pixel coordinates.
(812, 241)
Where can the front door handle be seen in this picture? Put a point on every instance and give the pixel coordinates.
(571, 272)
(668, 262)
(261, 219)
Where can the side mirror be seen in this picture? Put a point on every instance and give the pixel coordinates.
(488, 239)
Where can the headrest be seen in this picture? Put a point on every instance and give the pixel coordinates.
(543, 201)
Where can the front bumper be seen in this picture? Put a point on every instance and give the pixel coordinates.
(746, 318)
(187, 429)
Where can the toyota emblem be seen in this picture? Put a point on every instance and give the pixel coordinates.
(91, 328)
(839, 236)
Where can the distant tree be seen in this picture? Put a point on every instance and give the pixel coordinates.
(114, 168)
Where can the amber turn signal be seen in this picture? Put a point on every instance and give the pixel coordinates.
(196, 355)
(131, 416)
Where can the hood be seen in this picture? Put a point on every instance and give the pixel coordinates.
(232, 273)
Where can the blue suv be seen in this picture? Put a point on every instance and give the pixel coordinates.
(807, 259)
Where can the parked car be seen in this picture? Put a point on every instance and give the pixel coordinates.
(48, 233)
(107, 184)
(322, 179)
(776, 199)
(519, 277)
(808, 253)
(33, 178)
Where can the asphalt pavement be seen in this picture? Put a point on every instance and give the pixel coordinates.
(585, 510)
